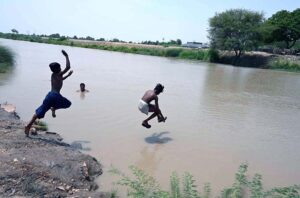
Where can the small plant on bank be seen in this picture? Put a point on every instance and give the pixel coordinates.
(41, 125)
(143, 185)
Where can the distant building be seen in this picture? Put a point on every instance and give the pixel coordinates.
(197, 45)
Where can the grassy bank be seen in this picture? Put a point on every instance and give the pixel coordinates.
(143, 185)
(285, 63)
(248, 59)
(6, 59)
(209, 55)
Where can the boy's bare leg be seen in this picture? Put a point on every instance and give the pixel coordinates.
(161, 118)
(27, 128)
(145, 122)
(53, 112)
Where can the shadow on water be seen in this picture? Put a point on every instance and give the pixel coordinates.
(81, 145)
(52, 138)
(157, 138)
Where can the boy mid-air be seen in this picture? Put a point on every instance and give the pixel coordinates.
(145, 106)
(54, 100)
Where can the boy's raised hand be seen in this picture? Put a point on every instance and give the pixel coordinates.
(64, 53)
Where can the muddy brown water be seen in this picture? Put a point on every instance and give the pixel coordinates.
(218, 116)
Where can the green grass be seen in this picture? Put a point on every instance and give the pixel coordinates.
(40, 125)
(285, 64)
(142, 185)
(6, 59)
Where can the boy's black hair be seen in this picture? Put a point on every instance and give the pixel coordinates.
(82, 84)
(55, 67)
(159, 88)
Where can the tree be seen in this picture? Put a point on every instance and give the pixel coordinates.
(235, 29)
(284, 26)
(89, 38)
(54, 35)
(15, 31)
(115, 40)
(179, 42)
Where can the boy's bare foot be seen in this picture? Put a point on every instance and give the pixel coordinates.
(53, 112)
(162, 119)
(145, 124)
(26, 131)
(33, 131)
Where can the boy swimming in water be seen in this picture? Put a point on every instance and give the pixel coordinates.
(54, 100)
(82, 88)
(145, 106)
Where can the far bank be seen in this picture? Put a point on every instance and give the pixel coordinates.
(248, 59)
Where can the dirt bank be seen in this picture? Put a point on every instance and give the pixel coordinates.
(43, 165)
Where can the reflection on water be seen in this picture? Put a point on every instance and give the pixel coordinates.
(218, 116)
(82, 95)
(149, 159)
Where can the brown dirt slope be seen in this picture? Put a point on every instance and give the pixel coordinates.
(43, 165)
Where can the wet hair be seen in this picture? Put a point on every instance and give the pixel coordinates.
(159, 88)
(82, 84)
(55, 67)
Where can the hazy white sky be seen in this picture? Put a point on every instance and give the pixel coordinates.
(129, 20)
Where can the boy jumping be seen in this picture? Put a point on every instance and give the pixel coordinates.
(145, 106)
(54, 100)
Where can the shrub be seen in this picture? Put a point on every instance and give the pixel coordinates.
(6, 59)
(285, 64)
(173, 52)
(211, 55)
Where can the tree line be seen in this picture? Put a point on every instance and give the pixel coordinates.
(237, 30)
(241, 30)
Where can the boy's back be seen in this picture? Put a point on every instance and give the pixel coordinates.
(149, 96)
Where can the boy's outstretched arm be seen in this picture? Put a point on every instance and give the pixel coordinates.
(68, 66)
(69, 74)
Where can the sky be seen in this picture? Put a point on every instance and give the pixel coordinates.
(128, 20)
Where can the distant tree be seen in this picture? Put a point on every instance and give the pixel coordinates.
(55, 35)
(101, 39)
(283, 26)
(172, 42)
(62, 38)
(115, 40)
(75, 37)
(89, 38)
(235, 29)
(179, 42)
(15, 31)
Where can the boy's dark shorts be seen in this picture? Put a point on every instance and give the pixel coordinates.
(55, 100)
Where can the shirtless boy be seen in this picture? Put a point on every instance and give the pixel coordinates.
(54, 100)
(145, 106)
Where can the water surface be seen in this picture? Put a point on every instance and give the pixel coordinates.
(218, 116)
